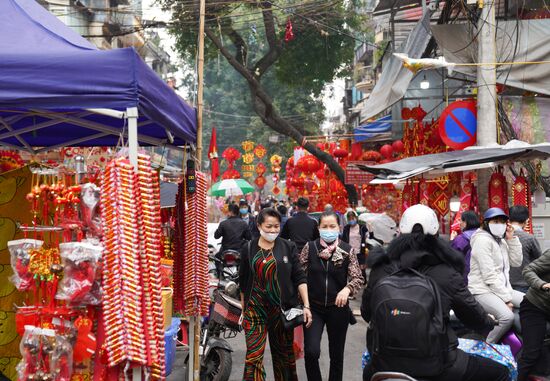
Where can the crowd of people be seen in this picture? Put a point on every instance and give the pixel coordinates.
(296, 269)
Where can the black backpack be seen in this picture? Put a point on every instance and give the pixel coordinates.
(407, 322)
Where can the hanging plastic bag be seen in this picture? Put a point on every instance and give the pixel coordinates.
(20, 257)
(81, 268)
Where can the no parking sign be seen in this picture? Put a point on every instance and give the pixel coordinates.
(458, 124)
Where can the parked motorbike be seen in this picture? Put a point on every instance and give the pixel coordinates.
(222, 324)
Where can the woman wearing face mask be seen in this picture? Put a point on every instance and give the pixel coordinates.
(271, 279)
(333, 274)
(494, 250)
(356, 235)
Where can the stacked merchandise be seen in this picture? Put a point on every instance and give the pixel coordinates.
(132, 302)
(191, 250)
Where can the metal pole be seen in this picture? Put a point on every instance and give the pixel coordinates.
(486, 93)
(200, 85)
(132, 118)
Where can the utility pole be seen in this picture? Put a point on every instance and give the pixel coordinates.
(194, 321)
(486, 91)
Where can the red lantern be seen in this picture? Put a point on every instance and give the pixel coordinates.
(371, 156)
(418, 113)
(386, 150)
(309, 164)
(340, 153)
(398, 146)
(320, 174)
(260, 182)
(406, 113)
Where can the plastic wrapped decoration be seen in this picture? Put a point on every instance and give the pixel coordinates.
(20, 253)
(46, 356)
(89, 210)
(81, 268)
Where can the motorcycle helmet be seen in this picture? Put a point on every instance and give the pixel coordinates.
(494, 213)
(419, 214)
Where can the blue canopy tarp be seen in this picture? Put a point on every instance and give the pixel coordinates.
(373, 129)
(52, 81)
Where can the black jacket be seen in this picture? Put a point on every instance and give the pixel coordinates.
(363, 231)
(234, 231)
(252, 226)
(289, 271)
(326, 279)
(443, 264)
(300, 229)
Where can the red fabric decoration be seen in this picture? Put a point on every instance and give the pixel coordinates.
(356, 151)
(231, 173)
(260, 182)
(85, 345)
(521, 193)
(498, 192)
(213, 156)
(406, 197)
(424, 192)
(371, 156)
(289, 35)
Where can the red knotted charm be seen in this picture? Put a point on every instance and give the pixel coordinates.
(289, 35)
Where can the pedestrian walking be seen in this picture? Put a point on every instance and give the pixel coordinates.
(356, 236)
(244, 210)
(271, 279)
(530, 247)
(301, 228)
(333, 275)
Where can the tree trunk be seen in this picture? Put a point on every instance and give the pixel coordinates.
(267, 113)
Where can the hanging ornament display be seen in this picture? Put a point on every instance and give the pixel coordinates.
(248, 145)
(231, 173)
(498, 192)
(231, 155)
(260, 151)
(467, 197)
(309, 164)
(276, 162)
(387, 151)
(289, 34)
(260, 169)
(9, 161)
(423, 191)
(521, 194)
(213, 157)
(371, 156)
(260, 182)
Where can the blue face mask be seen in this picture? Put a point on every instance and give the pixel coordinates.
(244, 210)
(352, 222)
(328, 236)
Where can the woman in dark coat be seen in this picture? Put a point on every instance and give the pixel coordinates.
(271, 279)
(419, 247)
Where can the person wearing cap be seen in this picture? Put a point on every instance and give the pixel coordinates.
(250, 220)
(495, 249)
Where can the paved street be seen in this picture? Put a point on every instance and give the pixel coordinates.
(355, 346)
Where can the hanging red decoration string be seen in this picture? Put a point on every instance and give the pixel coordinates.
(521, 193)
(289, 34)
(498, 193)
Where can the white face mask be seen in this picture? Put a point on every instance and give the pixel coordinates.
(497, 230)
(269, 237)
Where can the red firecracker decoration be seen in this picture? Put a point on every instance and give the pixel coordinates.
(289, 34)
(521, 193)
(498, 192)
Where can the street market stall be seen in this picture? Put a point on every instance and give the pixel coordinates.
(93, 300)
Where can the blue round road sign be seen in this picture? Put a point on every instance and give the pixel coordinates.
(458, 124)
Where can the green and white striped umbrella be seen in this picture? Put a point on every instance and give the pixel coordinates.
(231, 187)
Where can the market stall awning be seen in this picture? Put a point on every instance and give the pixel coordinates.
(395, 78)
(373, 129)
(53, 81)
(453, 161)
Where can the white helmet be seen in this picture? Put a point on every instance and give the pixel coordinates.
(419, 214)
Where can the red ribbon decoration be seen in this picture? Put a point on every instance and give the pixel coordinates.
(289, 34)
(498, 192)
(521, 193)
